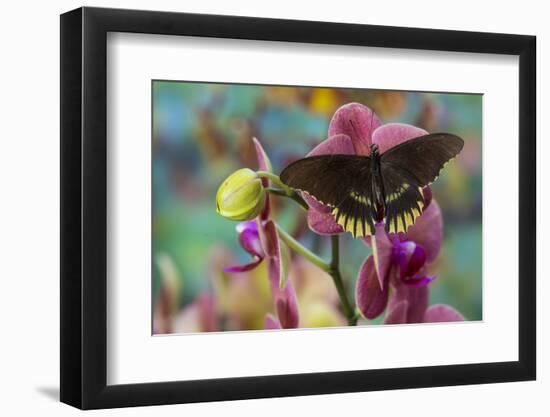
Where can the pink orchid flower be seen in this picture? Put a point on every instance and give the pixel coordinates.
(260, 239)
(398, 266)
(352, 130)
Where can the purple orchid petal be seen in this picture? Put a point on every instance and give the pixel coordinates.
(248, 225)
(316, 205)
(427, 231)
(382, 249)
(401, 261)
(249, 238)
(269, 238)
(271, 323)
(336, 144)
(358, 122)
(322, 223)
(264, 164)
(411, 258)
(439, 313)
(271, 246)
(418, 303)
(428, 195)
(284, 299)
(243, 268)
(371, 300)
(392, 134)
(264, 215)
(416, 298)
(398, 314)
(285, 303)
(416, 261)
(419, 281)
(287, 308)
(275, 267)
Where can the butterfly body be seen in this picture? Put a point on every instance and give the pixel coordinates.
(363, 190)
(377, 185)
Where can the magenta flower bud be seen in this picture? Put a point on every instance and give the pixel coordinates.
(410, 257)
(249, 238)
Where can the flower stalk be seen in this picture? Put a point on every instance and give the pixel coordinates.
(332, 268)
(275, 180)
(302, 250)
(339, 283)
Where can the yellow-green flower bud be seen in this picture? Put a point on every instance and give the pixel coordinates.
(241, 196)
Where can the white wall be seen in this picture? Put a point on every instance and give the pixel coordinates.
(29, 237)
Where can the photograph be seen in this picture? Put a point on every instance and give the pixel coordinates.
(281, 207)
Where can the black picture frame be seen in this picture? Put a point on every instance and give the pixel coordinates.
(84, 207)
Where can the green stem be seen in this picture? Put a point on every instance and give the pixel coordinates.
(339, 283)
(275, 180)
(302, 250)
(294, 196)
(332, 268)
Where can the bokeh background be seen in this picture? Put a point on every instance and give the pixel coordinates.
(202, 132)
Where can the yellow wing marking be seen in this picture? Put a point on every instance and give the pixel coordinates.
(355, 225)
(407, 218)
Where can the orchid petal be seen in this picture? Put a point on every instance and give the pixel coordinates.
(323, 223)
(417, 299)
(412, 258)
(439, 313)
(286, 304)
(398, 314)
(428, 196)
(389, 135)
(316, 205)
(282, 290)
(337, 144)
(287, 308)
(419, 281)
(371, 300)
(249, 239)
(356, 121)
(269, 238)
(418, 303)
(243, 268)
(382, 253)
(427, 231)
(264, 164)
(277, 265)
(271, 323)
(248, 225)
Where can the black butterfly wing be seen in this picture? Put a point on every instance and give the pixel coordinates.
(404, 199)
(422, 158)
(406, 169)
(343, 182)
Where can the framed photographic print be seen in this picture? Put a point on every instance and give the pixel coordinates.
(259, 208)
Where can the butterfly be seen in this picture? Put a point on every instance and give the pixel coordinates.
(364, 190)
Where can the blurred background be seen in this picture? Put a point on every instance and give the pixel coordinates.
(202, 132)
